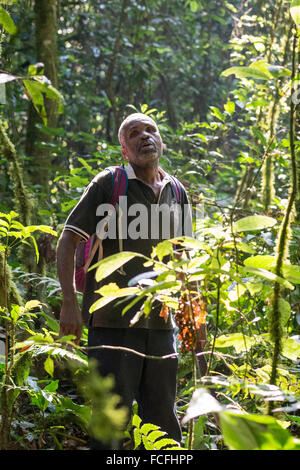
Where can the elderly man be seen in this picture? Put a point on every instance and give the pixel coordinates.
(152, 383)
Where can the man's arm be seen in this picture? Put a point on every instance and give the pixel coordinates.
(70, 315)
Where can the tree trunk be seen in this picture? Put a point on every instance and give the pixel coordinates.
(46, 53)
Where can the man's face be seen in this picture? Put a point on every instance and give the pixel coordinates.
(142, 142)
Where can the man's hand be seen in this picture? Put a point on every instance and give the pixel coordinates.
(70, 315)
(70, 320)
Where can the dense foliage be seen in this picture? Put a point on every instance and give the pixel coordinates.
(220, 78)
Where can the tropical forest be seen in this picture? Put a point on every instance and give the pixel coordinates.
(221, 80)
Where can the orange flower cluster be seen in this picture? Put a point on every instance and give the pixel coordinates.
(188, 319)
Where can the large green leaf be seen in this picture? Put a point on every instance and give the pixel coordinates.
(290, 272)
(257, 70)
(295, 11)
(239, 341)
(157, 287)
(190, 242)
(7, 22)
(202, 402)
(291, 349)
(110, 264)
(255, 432)
(261, 261)
(110, 294)
(253, 222)
(36, 88)
(268, 275)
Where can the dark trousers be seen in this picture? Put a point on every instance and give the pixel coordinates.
(151, 382)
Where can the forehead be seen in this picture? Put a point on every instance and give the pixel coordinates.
(139, 122)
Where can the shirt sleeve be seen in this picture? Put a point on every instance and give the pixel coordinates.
(83, 219)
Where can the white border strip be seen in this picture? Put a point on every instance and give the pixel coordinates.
(77, 230)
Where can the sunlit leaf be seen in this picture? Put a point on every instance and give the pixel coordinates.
(295, 11)
(7, 22)
(49, 366)
(110, 264)
(32, 304)
(202, 402)
(255, 71)
(255, 432)
(253, 222)
(239, 341)
(6, 77)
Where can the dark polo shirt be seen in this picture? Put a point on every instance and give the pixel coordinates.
(83, 220)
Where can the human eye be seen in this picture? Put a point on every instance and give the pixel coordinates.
(133, 133)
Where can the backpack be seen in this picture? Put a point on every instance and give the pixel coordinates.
(86, 250)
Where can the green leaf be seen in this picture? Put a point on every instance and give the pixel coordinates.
(259, 135)
(147, 444)
(41, 228)
(157, 287)
(216, 112)
(278, 71)
(229, 107)
(49, 366)
(268, 275)
(52, 386)
(110, 293)
(35, 249)
(165, 442)
(15, 312)
(193, 6)
(137, 437)
(291, 349)
(36, 89)
(37, 98)
(32, 304)
(253, 222)
(164, 248)
(261, 261)
(7, 22)
(248, 72)
(148, 427)
(290, 272)
(136, 421)
(239, 341)
(295, 11)
(21, 368)
(255, 432)
(154, 435)
(244, 247)
(110, 264)
(190, 242)
(202, 402)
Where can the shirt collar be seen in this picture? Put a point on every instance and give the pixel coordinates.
(131, 174)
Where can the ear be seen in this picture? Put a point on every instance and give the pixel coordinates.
(124, 153)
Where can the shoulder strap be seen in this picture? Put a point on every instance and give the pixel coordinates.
(177, 189)
(119, 183)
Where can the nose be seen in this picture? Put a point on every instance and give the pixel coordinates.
(145, 134)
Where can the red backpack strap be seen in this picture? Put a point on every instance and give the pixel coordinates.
(119, 183)
(177, 189)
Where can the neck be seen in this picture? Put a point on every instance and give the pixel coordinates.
(149, 174)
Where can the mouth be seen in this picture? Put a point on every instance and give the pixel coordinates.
(147, 146)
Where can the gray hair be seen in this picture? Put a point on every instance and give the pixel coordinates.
(131, 117)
